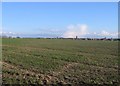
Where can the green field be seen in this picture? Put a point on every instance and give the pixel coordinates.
(59, 61)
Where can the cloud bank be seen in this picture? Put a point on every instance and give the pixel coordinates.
(11, 34)
(107, 34)
(76, 30)
(81, 30)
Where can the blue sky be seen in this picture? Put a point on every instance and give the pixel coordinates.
(52, 19)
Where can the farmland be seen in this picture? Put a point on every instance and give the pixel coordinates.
(59, 61)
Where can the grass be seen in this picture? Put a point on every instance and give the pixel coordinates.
(59, 61)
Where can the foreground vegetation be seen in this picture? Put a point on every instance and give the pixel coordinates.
(59, 61)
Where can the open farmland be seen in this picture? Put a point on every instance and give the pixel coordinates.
(59, 61)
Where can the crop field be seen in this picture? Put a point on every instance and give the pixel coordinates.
(59, 61)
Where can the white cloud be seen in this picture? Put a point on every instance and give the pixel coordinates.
(8, 33)
(105, 33)
(81, 30)
(76, 30)
(94, 33)
(108, 34)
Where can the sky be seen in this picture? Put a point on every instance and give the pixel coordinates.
(60, 0)
(60, 19)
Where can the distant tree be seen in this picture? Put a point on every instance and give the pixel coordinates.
(4, 36)
(18, 37)
(76, 37)
(10, 37)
